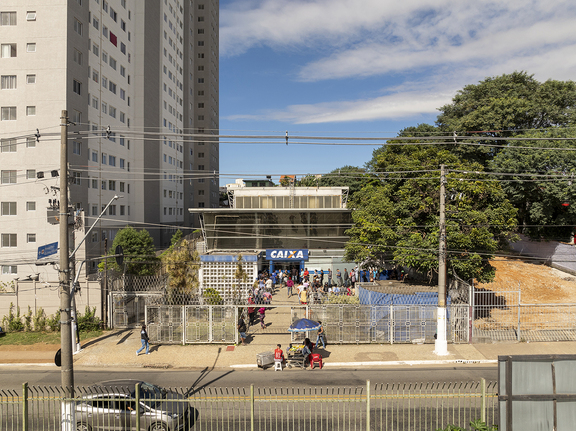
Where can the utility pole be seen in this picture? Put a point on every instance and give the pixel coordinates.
(67, 371)
(441, 344)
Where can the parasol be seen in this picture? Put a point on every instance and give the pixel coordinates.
(304, 325)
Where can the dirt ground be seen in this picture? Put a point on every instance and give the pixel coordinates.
(537, 283)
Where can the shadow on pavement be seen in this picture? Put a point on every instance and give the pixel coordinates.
(111, 334)
(193, 388)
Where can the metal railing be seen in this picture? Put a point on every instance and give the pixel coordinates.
(394, 407)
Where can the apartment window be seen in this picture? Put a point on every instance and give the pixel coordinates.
(112, 160)
(95, 156)
(122, 210)
(200, 92)
(30, 142)
(112, 87)
(76, 178)
(105, 5)
(104, 107)
(122, 94)
(9, 269)
(112, 63)
(122, 117)
(94, 236)
(201, 117)
(76, 116)
(31, 237)
(8, 50)
(78, 57)
(8, 113)
(78, 27)
(200, 192)
(111, 185)
(200, 68)
(9, 240)
(103, 185)
(96, 23)
(8, 18)
(122, 48)
(30, 47)
(8, 82)
(123, 3)
(200, 80)
(201, 105)
(94, 210)
(30, 174)
(8, 208)
(77, 87)
(112, 210)
(77, 148)
(30, 111)
(94, 183)
(122, 71)
(200, 167)
(112, 111)
(104, 158)
(31, 15)
(200, 19)
(122, 186)
(200, 6)
(200, 204)
(200, 31)
(104, 56)
(200, 154)
(30, 79)
(96, 49)
(113, 15)
(30, 206)
(95, 103)
(200, 43)
(8, 145)
(123, 25)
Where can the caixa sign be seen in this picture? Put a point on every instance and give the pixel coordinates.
(285, 254)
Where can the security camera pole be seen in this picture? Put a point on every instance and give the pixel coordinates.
(67, 371)
(441, 344)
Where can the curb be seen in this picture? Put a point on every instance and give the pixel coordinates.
(394, 363)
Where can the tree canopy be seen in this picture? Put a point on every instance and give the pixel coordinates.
(399, 220)
(347, 176)
(138, 248)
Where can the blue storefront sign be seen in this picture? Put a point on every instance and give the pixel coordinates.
(47, 250)
(286, 254)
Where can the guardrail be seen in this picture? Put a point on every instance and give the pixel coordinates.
(414, 406)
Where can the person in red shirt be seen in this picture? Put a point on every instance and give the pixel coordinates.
(278, 354)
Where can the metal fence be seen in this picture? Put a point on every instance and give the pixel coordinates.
(394, 407)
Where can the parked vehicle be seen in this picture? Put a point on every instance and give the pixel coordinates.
(112, 406)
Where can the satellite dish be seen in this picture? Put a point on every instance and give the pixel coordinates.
(119, 256)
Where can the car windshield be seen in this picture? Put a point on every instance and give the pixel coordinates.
(151, 394)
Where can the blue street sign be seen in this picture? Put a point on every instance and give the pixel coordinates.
(47, 250)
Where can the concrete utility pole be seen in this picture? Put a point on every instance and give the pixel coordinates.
(67, 371)
(441, 344)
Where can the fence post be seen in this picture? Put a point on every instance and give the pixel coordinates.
(483, 402)
(137, 396)
(25, 406)
(367, 405)
(391, 323)
(518, 327)
(252, 407)
(183, 325)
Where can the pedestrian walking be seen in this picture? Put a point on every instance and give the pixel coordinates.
(144, 340)
(289, 285)
(242, 330)
(320, 337)
(262, 313)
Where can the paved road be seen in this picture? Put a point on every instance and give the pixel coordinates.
(261, 378)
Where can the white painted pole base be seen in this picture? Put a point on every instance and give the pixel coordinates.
(68, 417)
(441, 344)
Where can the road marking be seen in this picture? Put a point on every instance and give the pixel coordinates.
(393, 363)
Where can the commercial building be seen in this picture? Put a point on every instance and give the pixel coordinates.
(139, 80)
(281, 227)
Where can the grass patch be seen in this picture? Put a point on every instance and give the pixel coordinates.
(28, 338)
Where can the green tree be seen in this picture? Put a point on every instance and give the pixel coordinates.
(182, 265)
(542, 183)
(139, 252)
(505, 106)
(398, 220)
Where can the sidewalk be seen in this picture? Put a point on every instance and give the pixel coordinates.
(118, 348)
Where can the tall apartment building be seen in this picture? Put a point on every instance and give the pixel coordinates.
(129, 74)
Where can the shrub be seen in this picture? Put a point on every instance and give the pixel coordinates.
(476, 425)
(53, 322)
(89, 321)
(212, 297)
(13, 322)
(40, 320)
(28, 320)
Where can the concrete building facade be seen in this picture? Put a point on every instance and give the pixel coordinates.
(127, 72)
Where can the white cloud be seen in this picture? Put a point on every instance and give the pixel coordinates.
(403, 105)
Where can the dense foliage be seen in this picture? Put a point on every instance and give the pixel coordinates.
(398, 220)
(139, 252)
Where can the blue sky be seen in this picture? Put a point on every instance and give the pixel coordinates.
(367, 68)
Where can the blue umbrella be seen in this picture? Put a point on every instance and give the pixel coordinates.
(304, 325)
